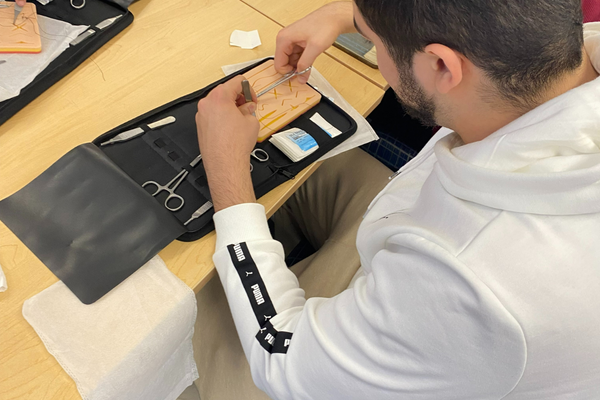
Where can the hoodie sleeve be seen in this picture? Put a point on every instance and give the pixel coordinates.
(417, 327)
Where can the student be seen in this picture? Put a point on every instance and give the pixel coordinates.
(479, 264)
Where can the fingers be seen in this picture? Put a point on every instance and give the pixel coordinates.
(299, 58)
(283, 51)
(226, 93)
(295, 56)
(21, 3)
(248, 108)
(302, 79)
(308, 57)
(241, 99)
(231, 89)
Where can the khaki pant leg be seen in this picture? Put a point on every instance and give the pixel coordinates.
(327, 209)
(222, 366)
(190, 393)
(333, 199)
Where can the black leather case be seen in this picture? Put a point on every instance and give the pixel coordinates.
(94, 12)
(88, 219)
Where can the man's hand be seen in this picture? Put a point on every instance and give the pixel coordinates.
(227, 133)
(299, 44)
(21, 3)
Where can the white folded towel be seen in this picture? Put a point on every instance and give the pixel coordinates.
(134, 343)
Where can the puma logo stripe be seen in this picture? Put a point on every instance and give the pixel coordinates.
(258, 296)
(239, 253)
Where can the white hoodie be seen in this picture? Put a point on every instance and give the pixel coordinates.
(481, 274)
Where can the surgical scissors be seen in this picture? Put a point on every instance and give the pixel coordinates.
(260, 155)
(264, 156)
(79, 7)
(172, 185)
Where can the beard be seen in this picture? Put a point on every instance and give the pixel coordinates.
(413, 98)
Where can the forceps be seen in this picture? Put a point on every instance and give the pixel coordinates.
(284, 78)
(172, 185)
(18, 10)
(260, 155)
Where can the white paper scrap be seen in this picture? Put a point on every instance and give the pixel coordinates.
(3, 285)
(326, 126)
(245, 40)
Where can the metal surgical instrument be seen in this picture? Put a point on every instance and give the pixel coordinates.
(79, 7)
(260, 155)
(18, 9)
(283, 79)
(133, 133)
(172, 185)
(200, 212)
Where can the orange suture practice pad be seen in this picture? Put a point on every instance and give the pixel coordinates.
(281, 105)
(22, 36)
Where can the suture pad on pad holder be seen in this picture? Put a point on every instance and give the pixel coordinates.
(283, 104)
(22, 36)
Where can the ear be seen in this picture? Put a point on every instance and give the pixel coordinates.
(444, 65)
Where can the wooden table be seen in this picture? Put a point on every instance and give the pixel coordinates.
(173, 48)
(279, 11)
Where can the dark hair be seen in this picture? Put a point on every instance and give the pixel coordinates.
(522, 45)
